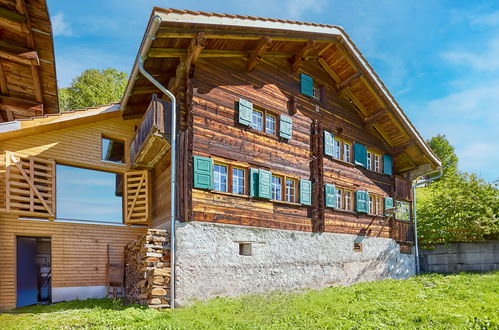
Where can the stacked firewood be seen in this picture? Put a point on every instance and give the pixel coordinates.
(147, 270)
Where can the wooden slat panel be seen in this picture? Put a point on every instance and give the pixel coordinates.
(136, 196)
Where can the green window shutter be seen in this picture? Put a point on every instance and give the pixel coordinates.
(360, 154)
(286, 127)
(330, 195)
(264, 184)
(361, 201)
(387, 164)
(306, 85)
(245, 112)
(328, 143)
(203, 172)
(253, 182)
(388, 204)
(306, 192)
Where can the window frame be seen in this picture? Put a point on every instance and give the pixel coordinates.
(265, 114)
(396, 215)
(274, 197)
(349, 160)
(274, 117)
(348, 206)
(262, 120)
(372, 204)
(377, 163)
(379, 205)
(126, 155)
(295, 189)
(339, 196)
(227, 166)
(245, 180)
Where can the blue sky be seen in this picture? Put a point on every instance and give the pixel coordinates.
(440, 59)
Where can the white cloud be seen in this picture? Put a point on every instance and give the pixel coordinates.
(296, 8)
(489, 19)
(60, 27)
(485, 59)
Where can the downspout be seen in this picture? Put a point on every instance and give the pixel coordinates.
(156, 21)
(414, 186)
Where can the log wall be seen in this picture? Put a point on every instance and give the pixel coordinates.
(218, 85)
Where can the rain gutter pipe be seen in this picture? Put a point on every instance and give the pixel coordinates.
(155, 23)
(414, 186)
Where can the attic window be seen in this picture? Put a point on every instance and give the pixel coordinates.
(113, 150)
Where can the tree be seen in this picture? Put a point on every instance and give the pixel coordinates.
(93, 87)
(459, 207)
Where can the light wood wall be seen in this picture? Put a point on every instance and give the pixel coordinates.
(79, 252)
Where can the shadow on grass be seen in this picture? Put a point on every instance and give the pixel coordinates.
(101, 304)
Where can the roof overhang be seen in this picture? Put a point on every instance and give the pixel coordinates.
(180, 20)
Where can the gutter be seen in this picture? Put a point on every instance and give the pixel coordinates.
(139, 67)
(414, 186)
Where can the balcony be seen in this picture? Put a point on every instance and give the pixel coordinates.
(153, 137)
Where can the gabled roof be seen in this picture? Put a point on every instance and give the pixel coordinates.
(167, 45)
(40, 124)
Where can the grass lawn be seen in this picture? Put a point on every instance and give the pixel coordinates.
(426, 301)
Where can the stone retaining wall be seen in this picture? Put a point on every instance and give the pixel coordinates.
(459, 257)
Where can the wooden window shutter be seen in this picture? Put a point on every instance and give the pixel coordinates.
(286, 127)
(30, 186)
(328, 143)
(306, 192)
(253, 182)
(388, 204)
(306, 85)
(245, 112)
(136, 197)
(203, 172)
(361, 201)
(330, 192)
(387, 164)
(264, 184)
(360, 154)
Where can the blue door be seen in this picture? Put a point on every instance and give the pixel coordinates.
(27, 285)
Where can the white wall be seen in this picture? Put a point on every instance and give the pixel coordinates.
(209, 264)
(77, 292)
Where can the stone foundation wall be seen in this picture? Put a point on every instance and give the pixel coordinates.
(209, 264)
(459, 257)
(147, 269)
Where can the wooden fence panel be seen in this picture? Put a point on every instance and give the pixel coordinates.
(137, 197)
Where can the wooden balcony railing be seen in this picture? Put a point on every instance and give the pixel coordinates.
(153, 136)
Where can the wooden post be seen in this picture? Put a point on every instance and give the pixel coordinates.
(317, 176)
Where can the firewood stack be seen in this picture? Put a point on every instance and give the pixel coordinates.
(147, 270)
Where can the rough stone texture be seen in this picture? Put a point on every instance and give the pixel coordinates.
(452, 258)
(208, 263)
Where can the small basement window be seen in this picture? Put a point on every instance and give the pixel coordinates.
(245, 249)
(357, 247)
(113, 150)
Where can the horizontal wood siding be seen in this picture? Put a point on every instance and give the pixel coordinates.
(79, 252)
(218, 85)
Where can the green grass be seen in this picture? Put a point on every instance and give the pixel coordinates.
(427, 301)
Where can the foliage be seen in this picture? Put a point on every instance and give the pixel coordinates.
(428, 301)
(458, 207)
(92, 88)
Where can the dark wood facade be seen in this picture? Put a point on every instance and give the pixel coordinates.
(211, 67)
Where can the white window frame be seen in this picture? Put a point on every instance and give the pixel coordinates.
(270, 119)
(217, 177)
(379, 205)
(290, 191)
(348, 200)
(347, 152)
(339, 198)
(376, 163)
(336, 149)
(238, 182)
(258, 120)
(277, 188)
(369, 160)
(371, 204)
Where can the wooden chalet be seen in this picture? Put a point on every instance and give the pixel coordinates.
(291, 158)
(28, 85)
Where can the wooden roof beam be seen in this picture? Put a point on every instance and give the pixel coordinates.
(262, 46)
(399, 150)
(21, 59)
(193, 52)
(212, 53)
(21, 107)
(347, 82)
(12, 15)
(298, 59)
(7, 115)
(374, 117)
(145, 90)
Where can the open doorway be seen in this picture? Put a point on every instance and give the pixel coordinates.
(34, 269)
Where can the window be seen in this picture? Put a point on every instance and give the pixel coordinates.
(371, 204)
(348, 200)
(337, 149)
(238, 180)
(377, 168)
(339, 198)
(369, 161)
(402, 211)
(290, 190)
(113, 150)
(346, 152)
(245, 249)
(379, 205)
(257, 120)
(270, 124)
(220, 175)
(84, 194)
(276, 188)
